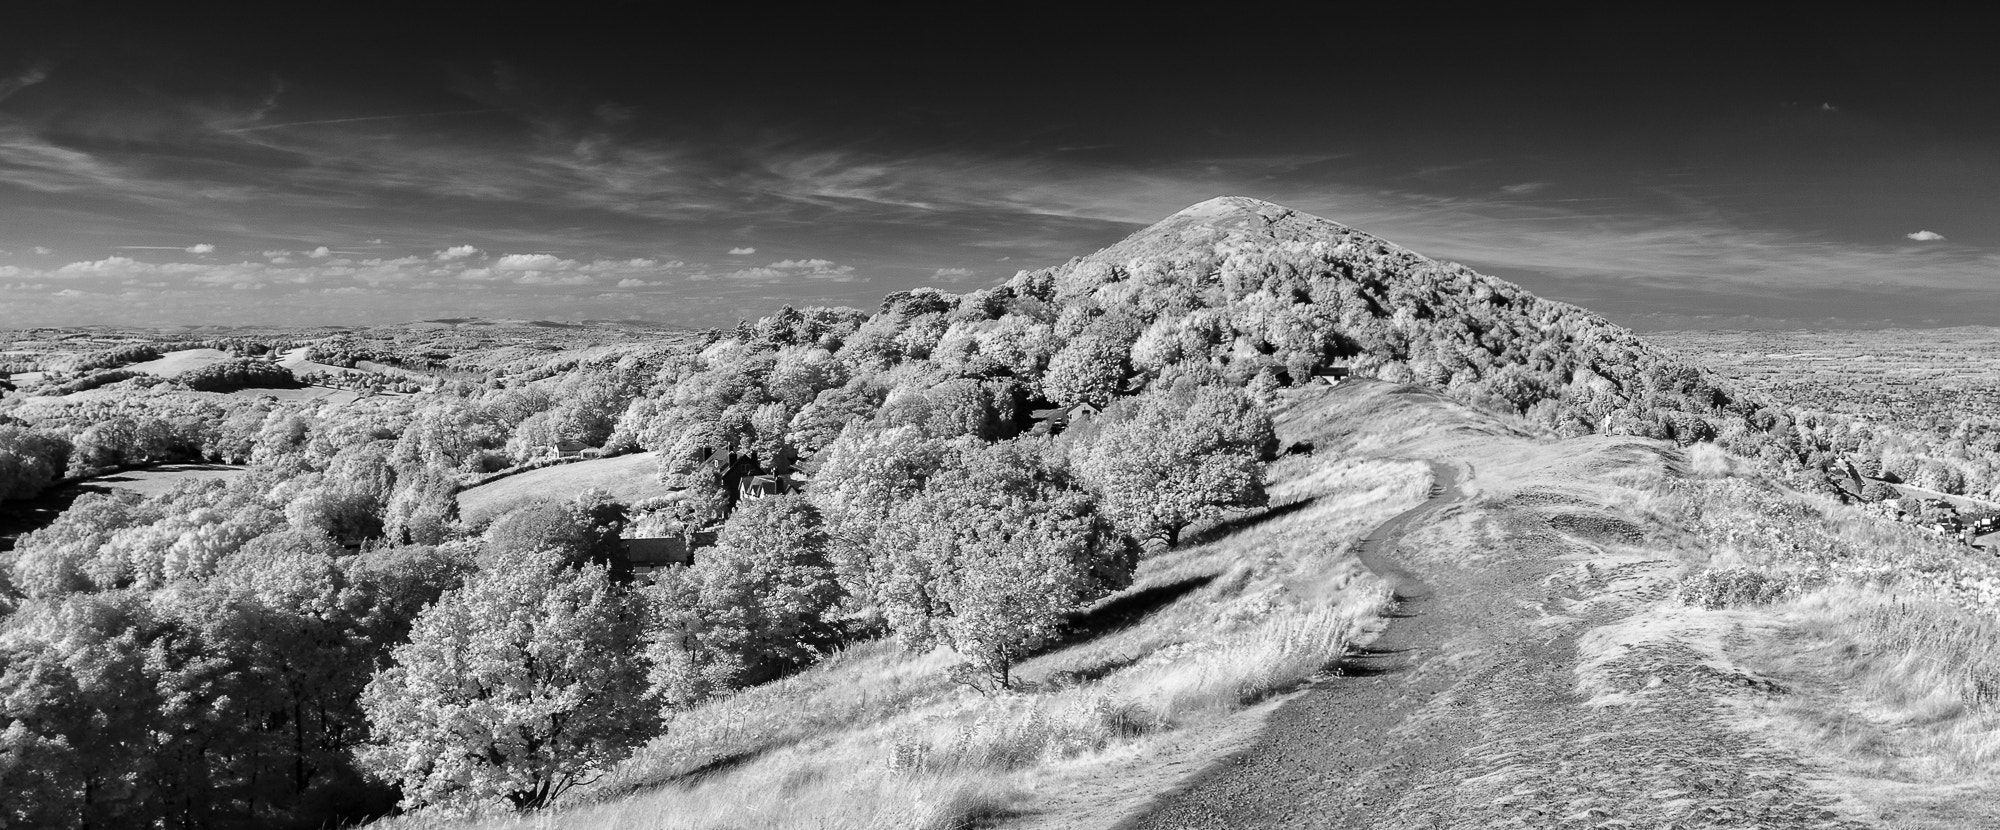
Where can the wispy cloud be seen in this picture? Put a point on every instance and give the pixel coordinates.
(794, 270)
(356, 119)
(13, 84)
(745, 251)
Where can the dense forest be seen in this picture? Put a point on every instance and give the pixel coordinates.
(323, 637)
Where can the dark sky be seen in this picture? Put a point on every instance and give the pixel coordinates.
(357, 162)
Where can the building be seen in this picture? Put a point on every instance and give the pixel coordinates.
(1331, 375)
(759, 486)
(1063, 416)
(647, 555)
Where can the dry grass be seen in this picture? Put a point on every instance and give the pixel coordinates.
(1920, 680)
(876, 738)
(1885, 640)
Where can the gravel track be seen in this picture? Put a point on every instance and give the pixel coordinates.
(1467, 711)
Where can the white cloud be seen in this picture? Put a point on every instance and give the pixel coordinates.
(628, 282)
(953, 274)
(789, 269)
(457, 252)
(817, 269)
(319, 252)
(109, 266)
(374, 241)
(276, 254)
(1925, 236)
(200, 248)
(539, 278)
(533, 262)
(43, 251)
(742, 251)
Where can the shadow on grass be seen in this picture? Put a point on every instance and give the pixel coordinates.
(1128, 609)
(684, 778)
(1231, 527)
(1367, 661)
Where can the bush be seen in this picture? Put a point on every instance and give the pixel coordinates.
(1723, 587)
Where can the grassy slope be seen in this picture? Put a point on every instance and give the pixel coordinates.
(1580, 685)
(175, 364)
(157, 480)
(1158, 680)
(628, 478)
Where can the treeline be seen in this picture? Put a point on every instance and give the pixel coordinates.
(238, 373)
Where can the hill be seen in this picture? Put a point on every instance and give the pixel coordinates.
(1591, 586)
(1094, 546)
(1550, 661)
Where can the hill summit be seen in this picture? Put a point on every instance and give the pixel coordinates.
(1245, 287)
(1225, 218)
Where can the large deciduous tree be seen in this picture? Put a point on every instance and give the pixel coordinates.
(864, 475)
(751, 608)
(517, 686)
(1167, 459)
(992, 555)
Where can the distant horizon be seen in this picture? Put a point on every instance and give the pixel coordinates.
(162, 169)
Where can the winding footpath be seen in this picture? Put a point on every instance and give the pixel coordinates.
(1302, 769)
(1469, 711)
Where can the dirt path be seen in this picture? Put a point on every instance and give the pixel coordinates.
(1469, 712)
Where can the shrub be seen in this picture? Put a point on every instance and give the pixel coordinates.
(1723, 587)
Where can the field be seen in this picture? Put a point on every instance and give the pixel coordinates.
(295, 360)
(174, 364)
(628, 478)
(1895, 374)
(156, 480)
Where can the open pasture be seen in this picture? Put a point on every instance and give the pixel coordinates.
(175, 364)
(628, 478)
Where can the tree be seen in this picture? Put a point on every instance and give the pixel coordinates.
(583, 529)
(74, 693)
(993, 555)
(1167, 459)
(1090, 369)
(864, 475)
(751, 608)
(517, 686)
(1877, 491)
(29, 461)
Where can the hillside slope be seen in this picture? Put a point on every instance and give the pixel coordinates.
(1537, 673)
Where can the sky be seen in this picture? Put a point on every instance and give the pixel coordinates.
(195, 164)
